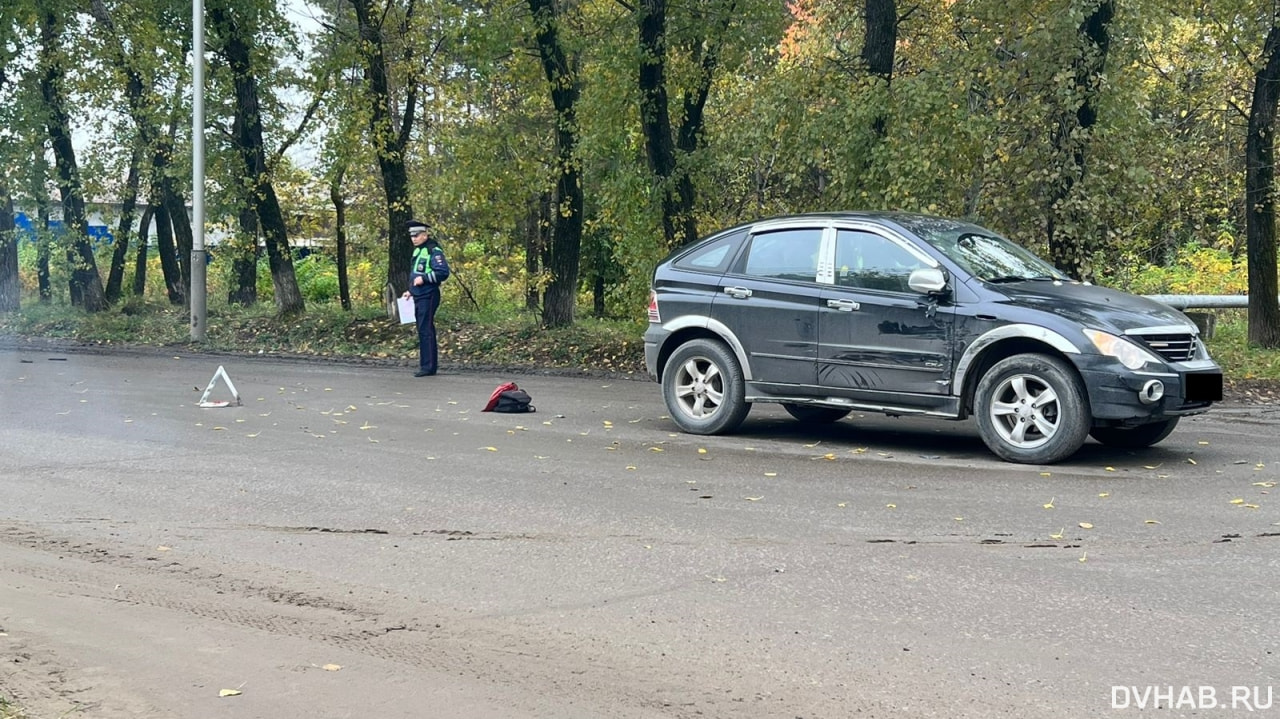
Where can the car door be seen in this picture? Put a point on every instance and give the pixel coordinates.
(769, 300)
(878, 339)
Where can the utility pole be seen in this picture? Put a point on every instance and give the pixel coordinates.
(199, 291)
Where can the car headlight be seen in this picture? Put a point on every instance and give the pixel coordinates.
(1127, 353)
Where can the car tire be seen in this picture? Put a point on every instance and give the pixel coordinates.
(704, 389)
(1144, 435)
(810, 414)
(1032, 409)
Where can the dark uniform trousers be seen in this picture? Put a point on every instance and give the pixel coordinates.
(424, 311)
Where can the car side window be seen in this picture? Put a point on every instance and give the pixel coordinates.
(868, 261)
(785, 254)
(714, 257)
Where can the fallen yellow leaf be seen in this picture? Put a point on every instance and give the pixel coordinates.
(701, 450)
(655, 449)
(1104, 495)
(1049, 504)
(1110, 469)
(1058, 535)
(229, 693)
(331, 667)
(843, 504)
(491, 449)
(891, 506)
(1084, 557)
(1237, 501)
(771, 474)
(1086, 525)
(753, 499)
(1190, 460)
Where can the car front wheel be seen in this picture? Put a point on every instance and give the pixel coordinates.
(704, 389)
(1144, 435)
(1032, 409)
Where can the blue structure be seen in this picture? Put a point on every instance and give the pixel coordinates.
(98, 234)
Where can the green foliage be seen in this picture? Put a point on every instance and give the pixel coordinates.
(1195, 270)
(1230, 348)
(966, 127)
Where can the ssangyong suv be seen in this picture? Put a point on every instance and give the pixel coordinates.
(915, 315)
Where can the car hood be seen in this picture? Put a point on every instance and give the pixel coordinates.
(1093, 306)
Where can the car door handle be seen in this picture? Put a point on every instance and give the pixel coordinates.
(843, 305)
(738, 293)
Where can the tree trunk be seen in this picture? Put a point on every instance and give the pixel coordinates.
(129, 204)
(84, 270)
(537, 226)
(140, 259)
(183, 239)
(879, 43)
(1260, 189)
(10, 284)
(44, 248)
(243, 251)
(679, 196)
(236, 49)
(136, 92)
(1072, 241)
(165, 248)
(340, 236)
(655, 115)
(389, 144)
(566, 239)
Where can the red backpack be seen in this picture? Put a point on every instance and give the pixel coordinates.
(509, 398)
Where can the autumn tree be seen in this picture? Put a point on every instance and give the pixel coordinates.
(1260, 192)
(560, 67)
(235, 27)
(86, 284)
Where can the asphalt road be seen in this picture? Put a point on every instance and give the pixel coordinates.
(354, 542)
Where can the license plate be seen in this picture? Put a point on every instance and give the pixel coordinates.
(1203, 387)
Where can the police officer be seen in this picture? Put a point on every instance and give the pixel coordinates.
(428, 269)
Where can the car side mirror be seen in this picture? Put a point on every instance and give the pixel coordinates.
(928, 281)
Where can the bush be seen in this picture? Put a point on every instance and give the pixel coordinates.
(1195, 270)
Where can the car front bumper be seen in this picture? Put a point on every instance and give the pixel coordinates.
(1121, 396)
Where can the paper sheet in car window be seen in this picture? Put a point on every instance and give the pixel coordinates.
(405, 305)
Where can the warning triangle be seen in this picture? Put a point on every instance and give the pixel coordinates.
(204, 399)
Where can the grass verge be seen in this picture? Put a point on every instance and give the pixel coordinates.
(514, 340)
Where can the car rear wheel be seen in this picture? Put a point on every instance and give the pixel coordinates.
(1144, 435)
(1032, 409)
(703, 388)
(816, 415)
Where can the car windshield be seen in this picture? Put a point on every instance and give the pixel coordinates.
(983, 253)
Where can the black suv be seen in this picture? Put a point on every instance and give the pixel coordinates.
(915, 315)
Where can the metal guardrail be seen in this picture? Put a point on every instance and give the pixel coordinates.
(1203, 302)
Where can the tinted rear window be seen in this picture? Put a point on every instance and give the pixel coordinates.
(785, 254)
(713, 256)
